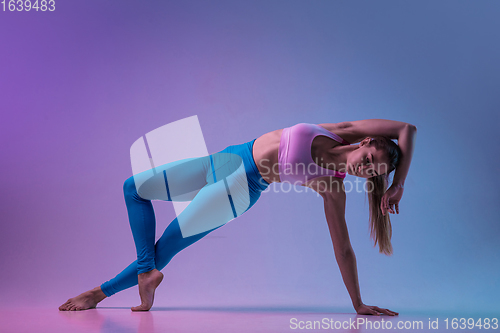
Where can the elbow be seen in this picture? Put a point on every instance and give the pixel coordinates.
(411, 127)
(345, 252)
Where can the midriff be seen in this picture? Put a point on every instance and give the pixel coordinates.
(265, 154)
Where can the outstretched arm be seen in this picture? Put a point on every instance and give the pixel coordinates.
(334, 202)
(344, 254)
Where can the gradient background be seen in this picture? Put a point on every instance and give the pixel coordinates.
(79, 85)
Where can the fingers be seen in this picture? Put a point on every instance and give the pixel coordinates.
(393, 208)
(385, 206)
(376, 311)
(386, 311)
(391, 313)
(382, 205)
(369, 311)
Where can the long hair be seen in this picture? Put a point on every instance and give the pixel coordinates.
(380, 225)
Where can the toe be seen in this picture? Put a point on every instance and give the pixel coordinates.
(139, 308)
(64, 306)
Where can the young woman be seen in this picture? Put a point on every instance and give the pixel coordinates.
(226, 184)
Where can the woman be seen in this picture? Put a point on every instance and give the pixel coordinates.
(315, 156)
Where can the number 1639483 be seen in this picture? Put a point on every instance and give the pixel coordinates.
(28, 5)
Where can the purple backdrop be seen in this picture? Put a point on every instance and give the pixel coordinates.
(79, 85)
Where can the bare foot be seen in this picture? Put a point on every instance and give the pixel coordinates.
(84, 301)
(148, 282)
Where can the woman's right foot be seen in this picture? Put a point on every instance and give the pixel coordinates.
(84, 301)
(148, 282)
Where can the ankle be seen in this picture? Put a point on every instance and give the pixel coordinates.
(148, 272)
(98, 293)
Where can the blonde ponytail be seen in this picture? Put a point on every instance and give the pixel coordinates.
(380, 225)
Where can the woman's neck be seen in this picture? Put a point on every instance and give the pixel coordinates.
(339, 154)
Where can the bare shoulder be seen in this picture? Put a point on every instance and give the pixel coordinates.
(343, 129)
(337, 126)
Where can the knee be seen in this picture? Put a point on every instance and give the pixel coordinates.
(172, 237)
(129, 186)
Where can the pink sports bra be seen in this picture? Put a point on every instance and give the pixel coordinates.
(294, 156)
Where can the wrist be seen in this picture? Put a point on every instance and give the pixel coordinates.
(398, 178)
(398, 182)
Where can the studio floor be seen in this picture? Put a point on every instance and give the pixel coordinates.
(210, 319)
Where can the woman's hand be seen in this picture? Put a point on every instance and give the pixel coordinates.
(391, 198)
(364, 309)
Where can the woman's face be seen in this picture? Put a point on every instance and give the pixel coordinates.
(367, 161)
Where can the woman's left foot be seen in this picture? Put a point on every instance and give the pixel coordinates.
(148, 282)
(84, 301)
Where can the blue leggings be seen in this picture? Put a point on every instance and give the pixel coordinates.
(201, 178)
